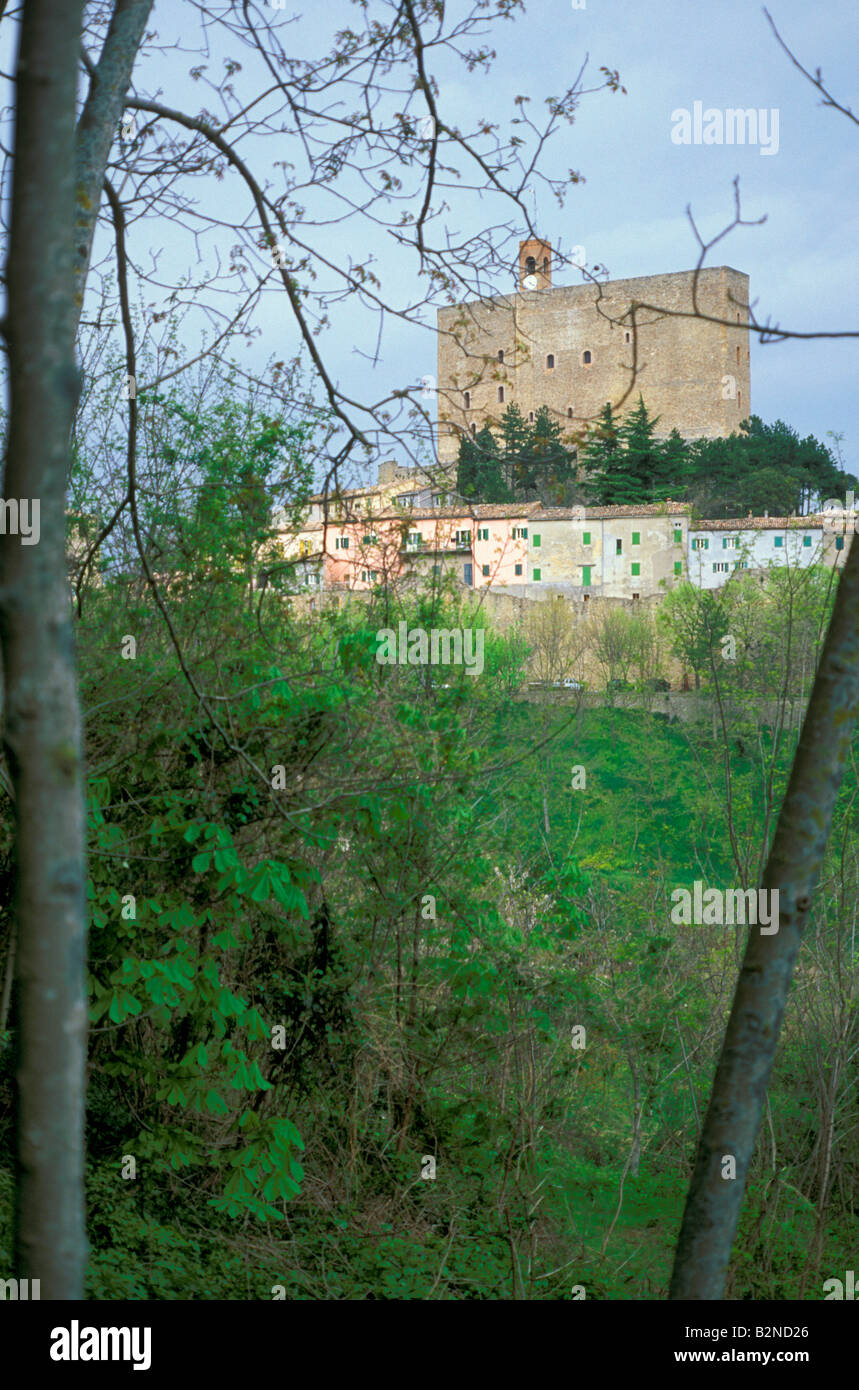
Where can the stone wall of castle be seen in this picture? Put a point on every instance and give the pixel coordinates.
(574, 347)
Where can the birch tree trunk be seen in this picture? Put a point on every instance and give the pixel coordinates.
(57, 181)
(42, 734)
(751, 1038)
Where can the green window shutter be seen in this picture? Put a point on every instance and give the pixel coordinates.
(485, 571)
(636, 538)
(535, 540)
(586, 538)
(678, 535)
(536, 576)
(636, 567)
(724, 542)
(517, 569)
(586, 575)
(806, 540)
(839, 542)
(778, 540)
(678, 566)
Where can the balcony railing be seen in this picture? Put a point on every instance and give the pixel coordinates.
(451, 548)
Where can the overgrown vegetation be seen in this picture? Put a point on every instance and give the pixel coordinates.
(348, 918)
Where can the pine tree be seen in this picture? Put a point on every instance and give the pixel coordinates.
(549, 466)
(675, 464)
(479, 475)
(609, 481)
(516, 439)
(644, 455)
(763, 468)
(527, 461)
(629, 466)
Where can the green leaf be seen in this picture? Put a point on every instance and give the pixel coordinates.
(215, 1104)
(261, 890)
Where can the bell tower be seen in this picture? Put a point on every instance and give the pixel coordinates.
(535, 264)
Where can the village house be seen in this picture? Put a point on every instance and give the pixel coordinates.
(530, 551)
(607, 552)
(719, 548)
(395, 486)
(524, 549)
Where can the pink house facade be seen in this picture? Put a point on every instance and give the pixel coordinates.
(481, 546)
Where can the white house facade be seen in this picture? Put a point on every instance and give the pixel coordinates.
(717, 549)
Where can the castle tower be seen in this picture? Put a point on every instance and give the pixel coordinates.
(573, 347)
(535, 263)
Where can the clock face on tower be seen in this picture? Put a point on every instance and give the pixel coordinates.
(530, 282)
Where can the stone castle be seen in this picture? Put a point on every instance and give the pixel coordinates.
(575, 347)
(572, 348)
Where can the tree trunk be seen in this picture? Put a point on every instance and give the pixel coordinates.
(100, 119)
(42, 734)
(733, 1118)
(635, 1151)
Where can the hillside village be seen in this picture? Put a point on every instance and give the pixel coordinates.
(430, 679)
(535, 552)
(560, 344)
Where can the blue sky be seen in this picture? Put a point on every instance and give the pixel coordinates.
(629, 213)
